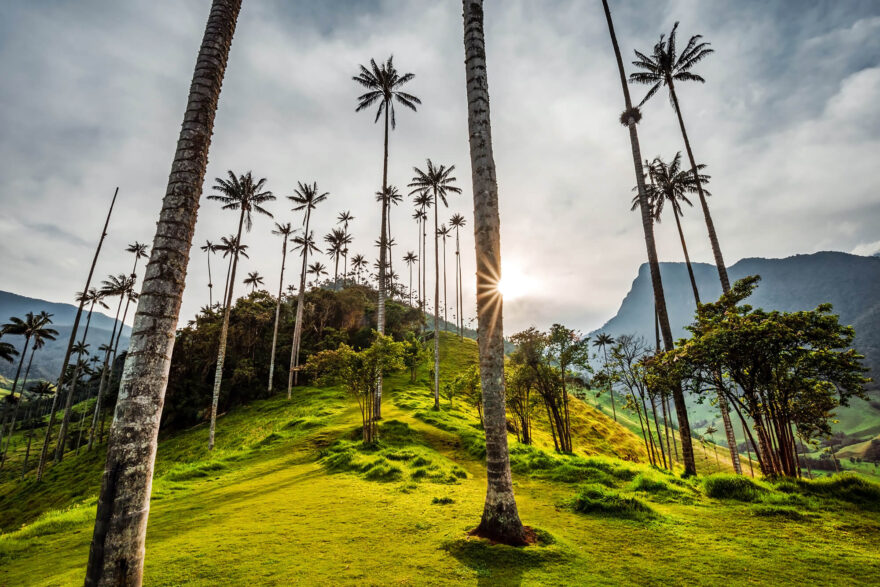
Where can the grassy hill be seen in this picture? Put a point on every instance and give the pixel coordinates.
(289, 496)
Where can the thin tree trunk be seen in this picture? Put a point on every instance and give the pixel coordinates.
(687, 258)
(277, 313)
(116, 555)
(224, 333)
(459, 300)
(20, 398)
(210, 283)
(648, 450)
(687, 449)
(293, 374)
(27, 452)
(666, 429)
(445, 300)
(383, 244)
(710, 226)
(106, 374)
(500, 520)
(436, 308)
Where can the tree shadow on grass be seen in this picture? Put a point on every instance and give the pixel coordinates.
(499, 564)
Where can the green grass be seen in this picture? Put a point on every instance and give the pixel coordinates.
(290, 497)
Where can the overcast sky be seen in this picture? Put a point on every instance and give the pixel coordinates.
(92, 95)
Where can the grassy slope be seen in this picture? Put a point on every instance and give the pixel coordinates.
(265, 508)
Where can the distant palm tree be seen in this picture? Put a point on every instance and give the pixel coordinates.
(439, 181)
(423, 201)
(393, 197)
(34, 328)
(246, 195)
(358, 262)
(8, 351)
(336, 239)
(604, 341)
(253, 279)
(230, 247)
(629, 118)
(409, 259)
(117, 548)
(383, 85)
(284, 231)
(209, 248)
(140, 252)
(305, 197)
(344, 218)
(457, 222)
(317, 269)
(500, 521)
(664, 67)
(444, 232)
(41, 389)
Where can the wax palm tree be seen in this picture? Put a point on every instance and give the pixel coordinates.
(603, 341)
(500, 520)
(231, 247)
(117, 545)
(8, 352)
(358, 262)
(629, 118)
(41, 389)
(664, 67)
(458, 222)
(140, 252)
(383, 86)
(253, 279)
(344, 218)
(423, 201)
(439, 181)
(305, 198)
(336, 239)
(284, 231)
(209, 248)
(34, 328)
(444, 232)
(248, 196)
(409, 259)
(388, 197)
(317, 269)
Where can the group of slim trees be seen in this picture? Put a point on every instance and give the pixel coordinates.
(543, 359)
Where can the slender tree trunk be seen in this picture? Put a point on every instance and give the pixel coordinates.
(383, 245)
(687, 449)
(27, 452)
(666, 430)
(293, 374)
(687, 258)
(459, 297)
(116, 555)
(20, 397)
(445, 301)
(642, 426)
(228, 271)
(710, 226)
(224, 333)
(210, 283)
(410, 284)
(106, 374)
(436, 308)
(277, 314)
(500, 519)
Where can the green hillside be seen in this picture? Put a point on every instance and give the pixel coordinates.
(289, 496)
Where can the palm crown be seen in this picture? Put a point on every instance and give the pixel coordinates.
(306, 197)
(253, 279)
(242, 193)
(383, 85)
(437, 179)
(300, 242)
(229, 245)
(284, 230)
(410, 258)
(457, 221)
(670, 183)
(663, 66)
(139, 250)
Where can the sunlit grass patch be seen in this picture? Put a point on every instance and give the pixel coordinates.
(595, 499)
(736, 487)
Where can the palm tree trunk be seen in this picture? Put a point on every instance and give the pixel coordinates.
(383, 244)
(687, 258)
(277, 314)
(24, 353)
(228, 271)
(710, 226)
(500, 520)
(659, 436)
(224, 333)
(687, 449)
(116, 555)
(459, 301)
(27, 452)
(210, 283)
(666, 429)
(27, 372)
(293, 374)
(436, 308)
(445, 301)
(410, 284)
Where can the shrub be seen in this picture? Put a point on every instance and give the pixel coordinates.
(846, 487)
(727, 486)
(595, 499)
(775, 511)
(442, 500)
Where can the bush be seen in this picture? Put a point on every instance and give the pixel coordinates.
(595, 499)
(775, 511)
(727, 486)
(442, 500)
(847, 487)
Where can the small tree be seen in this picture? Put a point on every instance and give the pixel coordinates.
(414, 355)
(359, 373)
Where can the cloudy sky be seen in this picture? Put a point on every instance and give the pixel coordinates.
(92, 94)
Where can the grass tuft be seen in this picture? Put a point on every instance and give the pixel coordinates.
(595, 499)
(727, 486)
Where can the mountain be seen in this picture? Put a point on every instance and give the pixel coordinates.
(47, 361)
(851, 283)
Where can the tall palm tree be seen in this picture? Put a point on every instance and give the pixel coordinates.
(457, 222)
(388, 197)
(117, 548)
(630, 118)
(603, 341)
(444, 232)
(253, 279)
(344, 218)
(210, 249)
(358, 262)
(41, 389)
(35, 329)
(231, 247)
(113, 286)
(424, 200)
(336, 239)
(664, 67)
(284, 231)
(417, 216)
(383, 86)
(500, 520)
(439, 181)
(317, 269)
(247, 196)
(409, 259)
(8, 352)
(140, 252)
(305, 197)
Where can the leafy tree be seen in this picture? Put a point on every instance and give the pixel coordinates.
(519, 383)
(414, 355)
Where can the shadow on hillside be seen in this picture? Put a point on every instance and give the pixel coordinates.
(497, 564)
